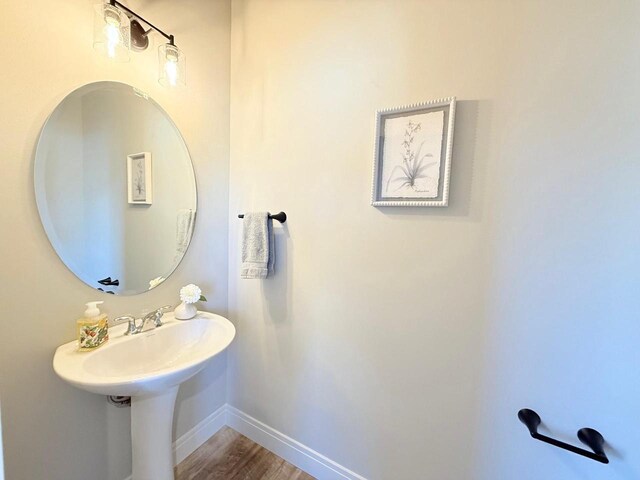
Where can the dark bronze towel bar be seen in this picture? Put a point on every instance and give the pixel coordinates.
(281, 217)
(588, 436)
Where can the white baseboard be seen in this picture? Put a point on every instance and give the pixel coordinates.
(294, 452)
(203, 431)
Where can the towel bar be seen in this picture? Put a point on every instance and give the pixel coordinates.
(281, 217)
(588, 436)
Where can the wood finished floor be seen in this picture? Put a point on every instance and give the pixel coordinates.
(229, 455)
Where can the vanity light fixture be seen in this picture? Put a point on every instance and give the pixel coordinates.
(117, 30)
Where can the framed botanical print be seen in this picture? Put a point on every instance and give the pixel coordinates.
(412, 159)
(139, 179)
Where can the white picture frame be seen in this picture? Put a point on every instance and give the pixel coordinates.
(139, 179)
(412, 155)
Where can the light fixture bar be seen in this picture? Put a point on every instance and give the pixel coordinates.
(128, 10)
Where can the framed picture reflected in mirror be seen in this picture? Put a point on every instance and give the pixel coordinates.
(139, 179)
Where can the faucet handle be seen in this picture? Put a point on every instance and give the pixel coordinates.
(132, 326)
(156, 315)
(160, 312)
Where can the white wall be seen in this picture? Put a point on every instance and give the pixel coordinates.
(402, 342)
(52, 430)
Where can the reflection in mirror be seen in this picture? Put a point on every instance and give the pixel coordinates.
(115, 188)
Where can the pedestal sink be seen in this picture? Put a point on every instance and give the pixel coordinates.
(149, 367)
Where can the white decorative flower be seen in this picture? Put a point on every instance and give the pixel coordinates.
(155, 282)
(190, 293)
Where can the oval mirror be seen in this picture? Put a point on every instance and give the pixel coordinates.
(115, 188)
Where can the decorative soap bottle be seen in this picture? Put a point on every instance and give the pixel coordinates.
(93, 329)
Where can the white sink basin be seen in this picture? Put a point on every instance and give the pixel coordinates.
(148, 362)
(149, 367)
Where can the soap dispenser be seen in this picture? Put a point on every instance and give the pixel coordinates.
(93, 329)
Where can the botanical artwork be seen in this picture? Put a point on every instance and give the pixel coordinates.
(139, 183)
(412, 156)
(138, 179)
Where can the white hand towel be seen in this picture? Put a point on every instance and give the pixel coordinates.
(258, 249)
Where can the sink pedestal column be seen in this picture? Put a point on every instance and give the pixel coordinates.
(151, 435)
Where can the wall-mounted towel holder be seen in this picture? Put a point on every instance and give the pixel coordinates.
(588, 436)
(281, 217)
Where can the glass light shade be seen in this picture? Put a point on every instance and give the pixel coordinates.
(172, 66)
(111, 32)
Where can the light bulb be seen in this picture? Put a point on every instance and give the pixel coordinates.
(172, 66)
(171, 69)
(112, 34)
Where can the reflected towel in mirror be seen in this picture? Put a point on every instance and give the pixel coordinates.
(184, 228)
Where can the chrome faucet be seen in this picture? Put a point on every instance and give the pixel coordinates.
(136, 325)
